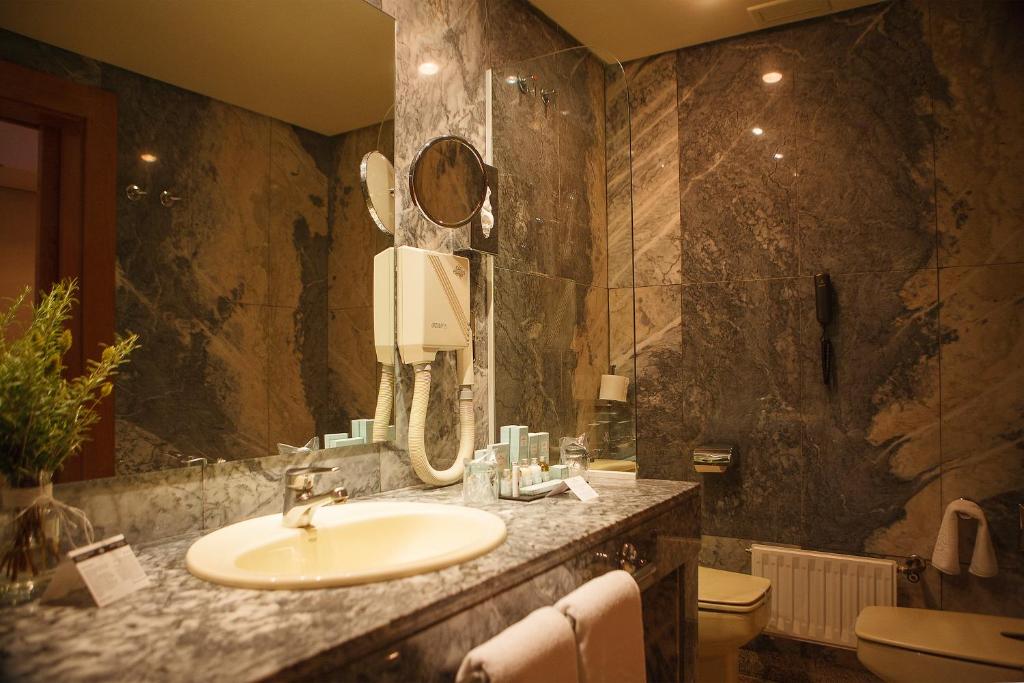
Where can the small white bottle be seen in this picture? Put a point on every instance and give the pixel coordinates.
(525, 475)
(515, 481)
(535, 472)
(506, 483)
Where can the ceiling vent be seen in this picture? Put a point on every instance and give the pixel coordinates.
(785, 11)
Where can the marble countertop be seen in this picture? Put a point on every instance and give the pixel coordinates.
(182, 628)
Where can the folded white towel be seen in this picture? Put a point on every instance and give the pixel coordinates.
(608, 621)
(946, 555)
(539, 649)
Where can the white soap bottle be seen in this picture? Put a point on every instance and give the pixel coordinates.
(535, 472)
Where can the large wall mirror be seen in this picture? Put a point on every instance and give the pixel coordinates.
(242, 250)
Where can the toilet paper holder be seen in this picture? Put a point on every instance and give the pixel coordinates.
(713, 458)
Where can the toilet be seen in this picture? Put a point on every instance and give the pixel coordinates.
(732, 609)
(906, 644)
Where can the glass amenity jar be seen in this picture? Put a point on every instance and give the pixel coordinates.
(29, 541)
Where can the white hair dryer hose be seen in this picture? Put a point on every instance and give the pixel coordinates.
(385, 397)
(417, 424)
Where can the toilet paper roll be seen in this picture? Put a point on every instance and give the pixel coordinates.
(614, 387)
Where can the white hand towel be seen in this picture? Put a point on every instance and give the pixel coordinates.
(608, 621)
(946, 555)
(539, 649)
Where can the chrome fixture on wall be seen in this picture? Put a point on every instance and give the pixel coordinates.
(134, 192)
(714, 458)
(168, 199)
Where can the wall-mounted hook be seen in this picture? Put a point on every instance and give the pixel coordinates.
(134, 193)
(547, 97)
(168, 199)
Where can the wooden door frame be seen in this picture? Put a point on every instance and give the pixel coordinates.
(79, 179)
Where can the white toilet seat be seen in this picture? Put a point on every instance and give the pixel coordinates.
(908, 644)
(732, 609)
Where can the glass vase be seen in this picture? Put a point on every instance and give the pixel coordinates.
(29, 542)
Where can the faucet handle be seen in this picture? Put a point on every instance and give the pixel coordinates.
(302, 478)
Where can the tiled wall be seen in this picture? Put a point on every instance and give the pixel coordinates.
(891, 157)
(465, 38)
(237, 288)
(153, 505)
(550, 277)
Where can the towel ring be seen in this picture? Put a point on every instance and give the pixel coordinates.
(962, 515)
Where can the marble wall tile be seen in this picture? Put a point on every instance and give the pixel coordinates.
(618, 173)
(857, 467)
(49, 59)
(979, 149)
(865, 191)
(736, 195)
(659, 351)
(297, 378)
(586, 360)
(242, 489)
(877, 424)
(514, 31)
(451, 34)
(396, 471)
(551, 158)
(726, 553)
(354, 237)
(654, 147)
(141, 506)
(198, 383)
(534, 326)
(982, 324)
(300, 173)
(230, 188)
(354, 371)
(740, 385)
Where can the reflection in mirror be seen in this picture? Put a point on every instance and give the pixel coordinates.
(578, 377)
(377, 177)
(245, 261)
(448, 181)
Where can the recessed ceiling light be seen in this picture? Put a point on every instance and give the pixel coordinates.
(778, 155)
(429, 68)
(147, 157)
(771, 77)
(757, 131)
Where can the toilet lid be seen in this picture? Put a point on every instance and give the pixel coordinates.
(959, 635)
(730, 591)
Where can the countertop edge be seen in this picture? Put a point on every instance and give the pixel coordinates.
(443, 609)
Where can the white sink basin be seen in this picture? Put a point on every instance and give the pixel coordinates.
(349, 544)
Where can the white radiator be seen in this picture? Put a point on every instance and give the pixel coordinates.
(817, 596)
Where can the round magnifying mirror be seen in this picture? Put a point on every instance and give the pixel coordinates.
(448, 182)
(377, 176)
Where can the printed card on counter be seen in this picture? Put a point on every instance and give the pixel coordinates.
(580, 487)
(107, 568)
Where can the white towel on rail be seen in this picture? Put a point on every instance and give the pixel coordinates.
(946, 555)
(608, 620)
(538, 649)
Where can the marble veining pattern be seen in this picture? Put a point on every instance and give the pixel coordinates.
(230, 288)
(896, 132)
(239, 634)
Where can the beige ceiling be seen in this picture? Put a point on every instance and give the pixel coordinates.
(325, 65)
(628, 29)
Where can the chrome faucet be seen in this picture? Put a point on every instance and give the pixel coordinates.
(299, 500)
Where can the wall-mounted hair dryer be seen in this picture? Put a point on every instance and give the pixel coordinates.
(433, 315)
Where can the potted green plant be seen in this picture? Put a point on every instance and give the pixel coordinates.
(45, 417)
